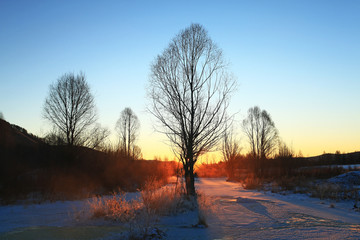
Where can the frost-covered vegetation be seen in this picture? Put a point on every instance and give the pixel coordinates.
(139, 215)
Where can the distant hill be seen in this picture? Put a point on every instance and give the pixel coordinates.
(336, 158)
(12, 135)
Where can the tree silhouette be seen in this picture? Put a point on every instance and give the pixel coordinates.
(70, 107)
(189, 90)
(261, 133)
(127, 127)
(230, 150)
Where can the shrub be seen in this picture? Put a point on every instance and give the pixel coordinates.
(327, 191)
(252, 183)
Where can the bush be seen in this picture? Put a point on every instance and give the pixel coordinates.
(252, 183)
(326, 191)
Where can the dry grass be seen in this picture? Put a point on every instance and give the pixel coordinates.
(161, 200)
(205, 207)
(132, 214)
(140, 215)
(327, 191)
(334, 191)
(114, 208)
(252, 183)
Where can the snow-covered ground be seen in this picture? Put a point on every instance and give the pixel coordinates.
(236, 214)
(244, 214)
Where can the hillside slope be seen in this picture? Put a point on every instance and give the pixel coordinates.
(12, 135)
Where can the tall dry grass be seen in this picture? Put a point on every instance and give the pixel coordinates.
(155, 199)
(161, 200)
(115, 207)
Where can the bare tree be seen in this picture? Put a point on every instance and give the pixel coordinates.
(261, 132)
(284, 151)
(127, 127)
(189, 92)
(55, 137)
(95, 137)
(231, 151)
(70, 107)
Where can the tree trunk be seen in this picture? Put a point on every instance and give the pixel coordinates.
(189, 180)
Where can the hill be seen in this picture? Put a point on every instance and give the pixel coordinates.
(31, 167)
(12, 135)
(333, 158)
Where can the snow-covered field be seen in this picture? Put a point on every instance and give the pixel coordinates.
(236, 214)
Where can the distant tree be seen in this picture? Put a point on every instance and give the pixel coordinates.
(189, 90)
(136, 152)
(284, 151)
(70, 108)
(2, 116)
(95, 137)
(55, 138)
(300, 154)
(127, 127)
(231, 150)
(261, 133)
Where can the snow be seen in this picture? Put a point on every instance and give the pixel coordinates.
(235, 213)
(255, 215)
(348, 179)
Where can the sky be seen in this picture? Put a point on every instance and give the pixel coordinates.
(298, 60)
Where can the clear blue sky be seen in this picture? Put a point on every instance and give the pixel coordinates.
(299, 60)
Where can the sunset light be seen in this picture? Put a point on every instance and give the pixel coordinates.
(179, 119)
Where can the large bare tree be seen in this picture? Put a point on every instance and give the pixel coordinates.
(261, 133)
(70, 107)
(189, 92)
(127, 127)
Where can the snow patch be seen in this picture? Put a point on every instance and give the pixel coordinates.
(348, 179)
